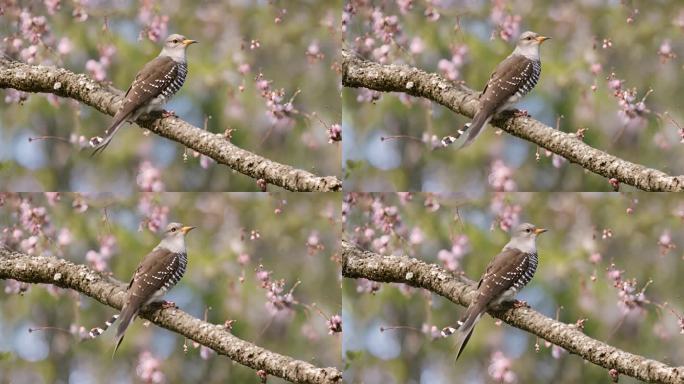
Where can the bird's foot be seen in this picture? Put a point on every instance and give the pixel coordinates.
(166, 113)
(520, 304)
(521, 113)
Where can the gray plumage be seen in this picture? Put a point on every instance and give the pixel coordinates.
(512, 79)
(153, 86)
(504, 277)
(159, 271)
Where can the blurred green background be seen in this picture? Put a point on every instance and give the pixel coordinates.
(293, 236)
(292, 44)
(587, 233)
(463, 38)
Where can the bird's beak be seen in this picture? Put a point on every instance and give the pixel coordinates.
(187, 42)
(542, 39)
(187, 229)
(538, 231)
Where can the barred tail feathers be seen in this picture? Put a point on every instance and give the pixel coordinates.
(127, 315)
(95, 332)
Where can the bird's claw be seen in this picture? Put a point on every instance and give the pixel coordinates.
(520, 304)
(520, 113)
(166, 113)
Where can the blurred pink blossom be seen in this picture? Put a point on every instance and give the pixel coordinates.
(501, 177)
(149, 368)
(149, 177)
(500, 368)
(334, 324)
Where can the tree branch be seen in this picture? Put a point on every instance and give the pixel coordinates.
(361, 73)
(64, 274)
(61, 82)
(357, 263)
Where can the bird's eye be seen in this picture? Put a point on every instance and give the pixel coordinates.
(528, 230)
(528, 38)
(173, 229)
(175, 40)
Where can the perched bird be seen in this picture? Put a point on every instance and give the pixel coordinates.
(153, 86)
(512, 79)
(158, 272)
(506, 274)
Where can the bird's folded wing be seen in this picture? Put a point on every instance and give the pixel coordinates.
(507, 79)
(152, 274)
(149, 83)
(502, 274)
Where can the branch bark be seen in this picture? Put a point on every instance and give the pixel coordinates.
(64, 274)
(61, 82)
(361, 73)
(357, 263)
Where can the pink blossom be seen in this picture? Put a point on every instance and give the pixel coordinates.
(64, 46)
(416, 236)
(416, 46)
(313, 52)
(500, 368)
(334, 324)
(149, 368)
(501, 177)
(451, 258)
(52, 6)
(334, 133)
(149, 177)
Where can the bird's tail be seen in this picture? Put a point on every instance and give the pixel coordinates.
(472, 130)
(95, 332)
(466, 325)
(109, 134)
(127, 315)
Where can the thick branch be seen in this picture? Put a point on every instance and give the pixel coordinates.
(360, 73)
(61, 82)
(62, 273)
(357, 263)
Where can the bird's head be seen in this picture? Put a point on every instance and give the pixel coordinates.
(528, 45)
(176, 41)
(174, 47)
(531, 39)
(527, 231)
(174, 237)
(177, 230)
(524, 237)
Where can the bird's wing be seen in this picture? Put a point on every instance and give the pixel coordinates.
(501, 274)
(149, 83)
(151, 275)
(507, 78)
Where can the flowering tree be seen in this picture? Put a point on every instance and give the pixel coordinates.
(260, 100)
(261, 287)
(605, 99)
(603, 289)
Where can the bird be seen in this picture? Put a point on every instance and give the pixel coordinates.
(512, 79)
(153, 86)
(507, 273)
(159, 271)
